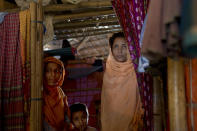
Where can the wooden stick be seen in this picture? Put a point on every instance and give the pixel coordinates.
(59, 18)
(91, 25)
(84, 23)
(85, 31)
(2, 5)
(39, 65)
(33, 13)
(5, 6)
(67, 7)
(176, 95)
(157, 104)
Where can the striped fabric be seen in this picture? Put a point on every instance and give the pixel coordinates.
(11, 93)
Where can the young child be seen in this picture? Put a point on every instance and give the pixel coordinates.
(79, 117)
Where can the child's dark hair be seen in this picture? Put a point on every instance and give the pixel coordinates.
(78, 107)
(114, 36)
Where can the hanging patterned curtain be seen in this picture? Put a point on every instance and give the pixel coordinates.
(131, 15)
(11, 91)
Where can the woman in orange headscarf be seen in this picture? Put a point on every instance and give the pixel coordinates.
(55, 108)
(120, 101)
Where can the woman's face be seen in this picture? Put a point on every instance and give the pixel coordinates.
(52, 74)
(119, 49)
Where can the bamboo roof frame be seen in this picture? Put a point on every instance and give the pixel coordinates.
(91, 25)
(67, 7)
(81, 15)
(86, 31)
(84, 23)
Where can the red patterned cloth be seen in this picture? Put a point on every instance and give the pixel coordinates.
(147, 100)
(11, 93)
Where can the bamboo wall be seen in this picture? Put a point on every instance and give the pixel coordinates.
(176, 95)
(36, 66)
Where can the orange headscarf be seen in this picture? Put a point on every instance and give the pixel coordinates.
(55, 102)
(120, 101)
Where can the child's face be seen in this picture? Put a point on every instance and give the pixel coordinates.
(80, 120)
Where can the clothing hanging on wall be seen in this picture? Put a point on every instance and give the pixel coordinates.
(161, 35)
(11, 92)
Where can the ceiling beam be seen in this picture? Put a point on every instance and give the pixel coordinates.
(5, 5)
(86, 26)
(81, 5)
(60, 18)
(84, 23)
(86, 31)
(65, 7)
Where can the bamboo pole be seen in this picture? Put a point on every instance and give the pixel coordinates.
(87, 26)
(85, 31)
(5, 5)
(1, 4)
(39, 64)
(85, 23)
(176, 95)
(67, 7)
(59, 18)
(157, 104)
(33, 13)
(88, 34)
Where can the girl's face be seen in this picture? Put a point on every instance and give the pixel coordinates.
(53, 74)
(119, 49)
(80, 120)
